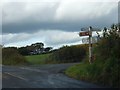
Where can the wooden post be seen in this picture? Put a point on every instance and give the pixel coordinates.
(90, 44)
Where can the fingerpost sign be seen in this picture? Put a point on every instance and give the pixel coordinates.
(84, 33)
(88, 33)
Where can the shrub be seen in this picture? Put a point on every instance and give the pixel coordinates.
(69, 54)
(10, 56)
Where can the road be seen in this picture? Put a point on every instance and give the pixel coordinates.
(42, 76)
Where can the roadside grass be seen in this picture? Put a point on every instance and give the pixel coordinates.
(85, 72)
(37, 59)
(100, 73)
(77, 71)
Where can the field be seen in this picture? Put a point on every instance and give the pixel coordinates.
(37, 59)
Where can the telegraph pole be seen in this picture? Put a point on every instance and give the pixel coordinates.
(90, 45)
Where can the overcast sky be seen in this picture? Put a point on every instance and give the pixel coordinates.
(53, 22)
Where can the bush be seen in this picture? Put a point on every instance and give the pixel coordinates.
(69, 54)
(10, 56)
(111, 73)
(109, 46)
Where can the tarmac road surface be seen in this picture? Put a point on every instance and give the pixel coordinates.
(41, 76)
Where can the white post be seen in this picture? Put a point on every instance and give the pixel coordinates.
(90, 45)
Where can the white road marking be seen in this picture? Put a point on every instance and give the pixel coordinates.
(16, 76)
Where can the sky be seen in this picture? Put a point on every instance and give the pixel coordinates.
(53, 22)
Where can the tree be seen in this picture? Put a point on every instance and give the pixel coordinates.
(47, 49)
(110, 43)
(38, 45)
(104, 32)
(24, 51)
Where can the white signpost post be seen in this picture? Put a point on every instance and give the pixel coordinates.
(88, 32)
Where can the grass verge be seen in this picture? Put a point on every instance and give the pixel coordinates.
(100, 73)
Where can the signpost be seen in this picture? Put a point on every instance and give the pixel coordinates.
(88, 32)
(87, 29)
(86, 40)
(90, 45)
(84, 33)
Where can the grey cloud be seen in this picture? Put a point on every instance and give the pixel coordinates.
(21, 12)
(65, 26)
(119, 12)
(44, 18)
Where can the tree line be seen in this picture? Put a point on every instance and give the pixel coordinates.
(15, 56)
(33, 49)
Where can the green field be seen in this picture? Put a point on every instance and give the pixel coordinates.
(37, 59)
